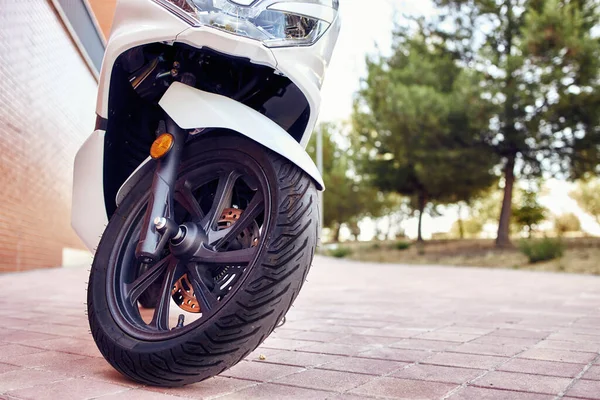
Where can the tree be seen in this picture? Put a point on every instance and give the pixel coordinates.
(346, 199)
(540, 65)
(529, 213)
(587, 195)
(468, 228)
(566, 223)
(414, 123)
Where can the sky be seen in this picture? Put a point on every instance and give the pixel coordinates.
(366, 29)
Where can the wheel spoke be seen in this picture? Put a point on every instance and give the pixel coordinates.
(160, 320)
(219, 238)
(235, 257)
(222, 199)
(134, 290)
(203, 294)
(186, 198)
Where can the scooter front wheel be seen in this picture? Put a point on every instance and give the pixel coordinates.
(251, 219)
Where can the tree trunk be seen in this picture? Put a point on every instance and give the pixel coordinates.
(461, 225)
(503, 239)
(422, 203)
(336, 233)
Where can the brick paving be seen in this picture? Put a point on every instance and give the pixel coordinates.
(357, 331)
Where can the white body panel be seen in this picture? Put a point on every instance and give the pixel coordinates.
(88, 213)
(139, 22)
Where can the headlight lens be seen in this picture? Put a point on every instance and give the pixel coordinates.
(255, 19)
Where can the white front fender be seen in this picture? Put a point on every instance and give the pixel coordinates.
(191, 108)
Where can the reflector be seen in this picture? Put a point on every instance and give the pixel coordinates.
(161, 146)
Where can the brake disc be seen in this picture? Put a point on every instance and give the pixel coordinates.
(183, 292)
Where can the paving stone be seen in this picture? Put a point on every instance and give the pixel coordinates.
(262, 351)
(399, 333)
(475, 393)
(585, 389)
(326, 380)
(466, 360)
(7, 367)
(342, 329)
(593, 373)
(574, 337)
(420, 344)
(58, 331)
(438, 373)
(314, 336)
(10, 351)
(506, 341)
(404, 355)
(139, 394)
(588, 347)
(287, 344)
(448, 336)
(471, 330)
(488, 349)
(346, 396)
(45, 358)
(366, 340)
(14, 380)
(404, 389)
(336, 349)
(523, 382)
(26, 337)
(539, 367)
(73, 389)
(261, 372)
(519, 333)
(558, 355)
(343, 335)
(69, 345)
(364, 366)
(213, 387)
(278, 392)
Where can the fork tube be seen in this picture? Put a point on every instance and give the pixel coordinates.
(160, 204)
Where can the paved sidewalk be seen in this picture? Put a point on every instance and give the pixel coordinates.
(357, 331)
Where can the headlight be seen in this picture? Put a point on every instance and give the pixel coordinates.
(276, 23)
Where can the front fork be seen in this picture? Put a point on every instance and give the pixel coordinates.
(158, 227)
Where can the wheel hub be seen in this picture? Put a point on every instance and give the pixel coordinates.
(192, 238)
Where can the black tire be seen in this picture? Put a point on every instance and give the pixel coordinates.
(261, 301)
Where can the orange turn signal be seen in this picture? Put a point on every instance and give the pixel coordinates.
(161, 146)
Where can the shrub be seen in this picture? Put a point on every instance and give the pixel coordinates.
(341, 252)
(402, 245)
(375, 246)
(542, 250)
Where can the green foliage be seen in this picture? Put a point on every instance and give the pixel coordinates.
(566, 223)
(347, 199)
(587, 195)
(402, 245)
(471, 228)
(486, 206)
(542, 250)
(341, 252)
(529, 213)
(416, 124)
(542, 63)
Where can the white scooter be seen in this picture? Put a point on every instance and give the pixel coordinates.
(197, 180)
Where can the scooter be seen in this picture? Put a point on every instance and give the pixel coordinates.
(195, 190)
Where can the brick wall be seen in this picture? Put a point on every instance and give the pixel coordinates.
(47, 101)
